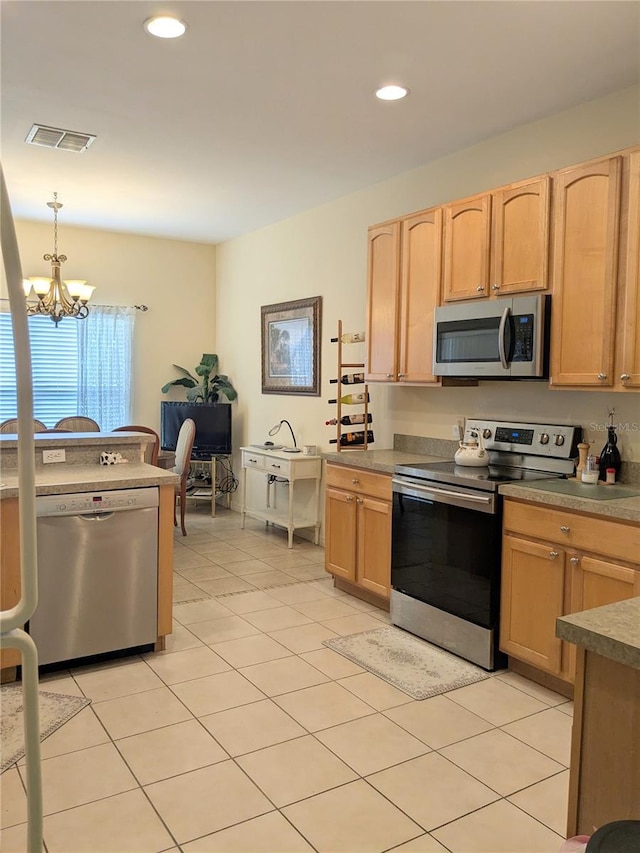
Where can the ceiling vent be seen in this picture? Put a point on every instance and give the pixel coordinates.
(55, 137)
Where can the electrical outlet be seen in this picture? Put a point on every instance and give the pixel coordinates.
(53, 456)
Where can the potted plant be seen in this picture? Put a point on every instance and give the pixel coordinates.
(208, 388)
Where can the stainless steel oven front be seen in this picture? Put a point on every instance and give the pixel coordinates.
(445, 567)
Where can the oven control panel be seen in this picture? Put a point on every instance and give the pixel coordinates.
(552, 440)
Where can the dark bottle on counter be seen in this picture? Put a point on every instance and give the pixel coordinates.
(350, 379)
(349, 439)
(348, 420)
(610, 455)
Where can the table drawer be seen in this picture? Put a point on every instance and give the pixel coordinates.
(252, 460)
(359, 481)
(277, 467)
(571, 530)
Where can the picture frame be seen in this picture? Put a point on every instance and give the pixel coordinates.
(291, 347)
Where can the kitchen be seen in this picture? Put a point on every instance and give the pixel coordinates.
(244, 271)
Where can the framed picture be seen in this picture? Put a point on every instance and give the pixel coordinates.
(291, 347)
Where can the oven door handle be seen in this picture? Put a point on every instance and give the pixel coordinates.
(440, 495)
(502, 350)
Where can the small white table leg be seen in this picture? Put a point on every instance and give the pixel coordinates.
(290, 525)
(213, 487)
(244, 496)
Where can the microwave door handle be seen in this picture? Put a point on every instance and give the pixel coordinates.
(501, 338)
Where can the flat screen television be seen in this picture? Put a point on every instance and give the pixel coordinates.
(213, 426)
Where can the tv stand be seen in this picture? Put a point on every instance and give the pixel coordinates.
(208, 492)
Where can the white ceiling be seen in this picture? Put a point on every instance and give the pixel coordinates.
(265, 109)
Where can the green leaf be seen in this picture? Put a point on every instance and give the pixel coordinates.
(187, 382)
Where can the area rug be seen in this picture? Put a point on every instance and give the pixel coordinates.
(55, 710)
(412, 665)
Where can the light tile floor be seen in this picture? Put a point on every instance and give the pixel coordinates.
(248, 735)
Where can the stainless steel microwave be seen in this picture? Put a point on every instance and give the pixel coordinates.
(505, 338)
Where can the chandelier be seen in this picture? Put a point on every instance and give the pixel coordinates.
(54, 297)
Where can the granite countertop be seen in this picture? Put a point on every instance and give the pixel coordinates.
(380, 460)
(64, 479)
(77, 439)
(623, 509)
(612, 631)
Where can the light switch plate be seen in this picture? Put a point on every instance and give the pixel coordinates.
(53, 455)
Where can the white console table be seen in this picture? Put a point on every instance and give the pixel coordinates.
(285, 466)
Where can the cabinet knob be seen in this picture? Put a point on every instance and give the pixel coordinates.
(355, 481)
(554, 554)
(602, 376)
(389, 375)
(564, 528)
(480, 288)
(358, 500)
(402, 375)
(349, 498)
(575, 560)
(624, 377)
(275, 466)
(495, 287)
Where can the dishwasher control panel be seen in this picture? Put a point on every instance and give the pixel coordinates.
(84, 503)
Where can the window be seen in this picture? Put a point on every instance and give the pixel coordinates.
(80, 367)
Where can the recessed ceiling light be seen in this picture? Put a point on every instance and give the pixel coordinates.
(392, 93)
(165, 27)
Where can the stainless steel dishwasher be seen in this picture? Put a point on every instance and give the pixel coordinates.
(98, 573)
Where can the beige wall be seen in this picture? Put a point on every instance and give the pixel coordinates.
(323, 252)
(175, 279)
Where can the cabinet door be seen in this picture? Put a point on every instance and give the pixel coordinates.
(420, 293)
(584, 275)
(532, 600)
(340, 538)
(466, 249)
(374, 545)
(595, 583)
(630, 364)
(383, 293)
(520, 238)
(9, 568)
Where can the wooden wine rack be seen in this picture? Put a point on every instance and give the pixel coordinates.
(366, 426)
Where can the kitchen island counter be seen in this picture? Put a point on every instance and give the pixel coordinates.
(604, 774)
(60, 478)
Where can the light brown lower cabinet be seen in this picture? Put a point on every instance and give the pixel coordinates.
(358, 528)
(556, 562)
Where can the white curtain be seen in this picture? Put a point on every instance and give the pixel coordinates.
(105, 349)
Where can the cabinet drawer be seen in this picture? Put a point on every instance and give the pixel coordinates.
(359, 481)
(582, 532)
(277, 467)
(252, 460)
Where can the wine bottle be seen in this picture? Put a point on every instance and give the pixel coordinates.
(348, 439)
(353, 399)
(347, 420)
(350, 379)
(350, 338)
(610, 455)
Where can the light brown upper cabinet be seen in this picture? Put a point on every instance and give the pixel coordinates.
(404, 274)
(497, 243)
(629, 373)
(584, 275)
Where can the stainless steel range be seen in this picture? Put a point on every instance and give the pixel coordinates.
(446, 535)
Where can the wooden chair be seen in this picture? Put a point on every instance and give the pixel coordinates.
(184, 446)
(78, 423)
(11, 426)
(152, 449)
